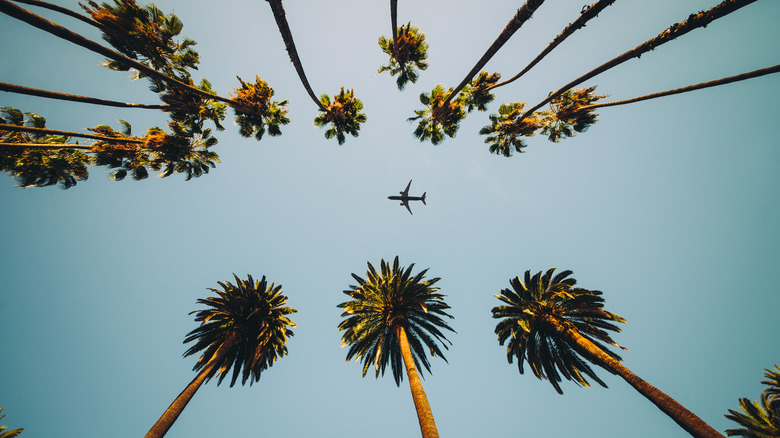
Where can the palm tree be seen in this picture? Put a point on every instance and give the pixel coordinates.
(38, 156)
(522, 15)
(20, 89)
(694, 21)
(8, 433)
(408, 52)
(393, 318)
(506, 129)
(245, 327)
(587, 12)
(344, 111)
(146, 42)
(436, 119)
(557, 328)
(760, 420)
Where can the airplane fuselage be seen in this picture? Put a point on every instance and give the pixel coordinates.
(405, 198)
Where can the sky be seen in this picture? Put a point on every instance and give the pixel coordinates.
(669, 207)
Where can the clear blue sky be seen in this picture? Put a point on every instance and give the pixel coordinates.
(670, 207)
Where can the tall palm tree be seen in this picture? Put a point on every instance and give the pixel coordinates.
(344, 111)
(588, 12)
(8, 433)
(694, 21)
(407, 49)
(506, 129)
(558, 328)
(394, 318)
(760, 419)
(20, 89)
(245, 327)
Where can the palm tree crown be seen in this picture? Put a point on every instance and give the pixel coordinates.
(535, 310)
(250, 320)
(386, 301)
(407, 54)
(760, 419)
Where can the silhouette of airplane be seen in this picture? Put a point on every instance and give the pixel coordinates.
(405, 198)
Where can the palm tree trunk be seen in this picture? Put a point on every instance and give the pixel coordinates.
(13, 88)
(61, 10)
(522, 15)
(728, 80)
(579, 23)
(44, 146)
(394, 20)
(424, 413)
(47, 131)
(694, 21)
(284, 29)
(9, 8)
(170, 415)
(677, 412)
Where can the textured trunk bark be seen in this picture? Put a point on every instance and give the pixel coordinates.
(424, 413)
(17, 128)
(579, 23)
(522, 15)
(394, 20)
(170, 415)
(677, 412)
(19, 89)
(695, 21)
(61, 10)
(281, 21)
(723, 81)
(9, 8)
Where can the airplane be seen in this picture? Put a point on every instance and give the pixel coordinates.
(405, 198)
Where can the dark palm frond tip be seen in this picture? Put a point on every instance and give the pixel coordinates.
(759, 419)
(566, 116)
(343, 115)
(251, 317)
(436, 120)
(535, 309)
(407, 55)
(507, 129)
(256, 114)
(385, 300)
(8, 433)
(34, 167)
(146, 34)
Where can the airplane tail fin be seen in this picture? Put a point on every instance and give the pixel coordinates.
(423, 199)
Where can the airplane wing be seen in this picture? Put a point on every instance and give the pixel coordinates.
(406, 191)
(406, 204)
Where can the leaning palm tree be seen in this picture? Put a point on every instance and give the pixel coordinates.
(408, 52)
(344, 111)
(394, 318)
(760, 419)
(694, 21)
(245, 327)
(558, 328)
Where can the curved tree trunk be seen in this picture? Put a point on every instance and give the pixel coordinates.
(677, 412)
(694, 21)
(523, 14)
(19, 89)
(47, 131)
(61, 10)
(424, 413)
(9, 8)
(170, 415)
(281, 21)
(723, 81)
(579, 23)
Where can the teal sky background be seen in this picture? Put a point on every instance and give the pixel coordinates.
(670, 207)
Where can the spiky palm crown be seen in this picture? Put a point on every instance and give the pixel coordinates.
(566, 118)
(255, 112)
(506, 129)
(190, 109)
(528, 307)
(250, 319)
(343, 115)
(476, 94)
(32, 167)
(437, 120)
(384, 301)
(146, 34)
(406, 55)
(760, 419)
